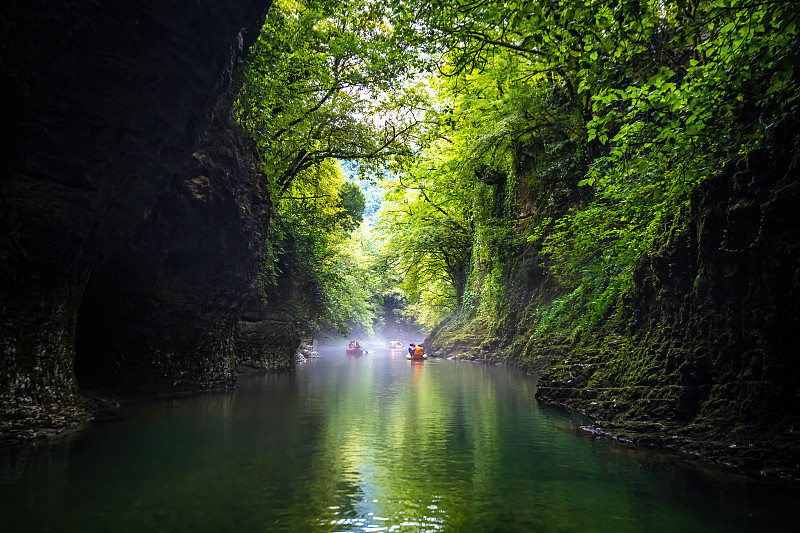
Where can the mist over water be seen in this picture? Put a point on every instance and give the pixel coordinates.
(371, 443)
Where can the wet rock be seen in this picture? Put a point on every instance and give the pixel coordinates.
(306, 351)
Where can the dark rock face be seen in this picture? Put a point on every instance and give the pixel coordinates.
(269, 335)
(159, 313)
(264, 338)
(711, 366)
(120, 233)
(707, 360)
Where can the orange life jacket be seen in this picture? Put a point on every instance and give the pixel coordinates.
(418, 350)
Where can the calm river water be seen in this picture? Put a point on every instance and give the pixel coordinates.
(371, 443)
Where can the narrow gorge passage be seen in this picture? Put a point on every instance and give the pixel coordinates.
(596, 201)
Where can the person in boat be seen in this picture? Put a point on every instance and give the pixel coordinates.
(418, 351)
(351, 345)
(411, 349)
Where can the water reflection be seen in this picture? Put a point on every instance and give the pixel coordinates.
(373, 443)
(416, 368)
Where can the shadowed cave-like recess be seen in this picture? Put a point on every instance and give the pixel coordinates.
(133, 215)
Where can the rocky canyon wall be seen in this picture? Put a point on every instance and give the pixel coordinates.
(710, 364)
(705, 359)
(133, 216)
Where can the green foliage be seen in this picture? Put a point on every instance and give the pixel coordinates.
(426, 224)
(577, 132)
(322, 252)
(602, 119)
(693, 90)
(350, 288)
(353, 202)
(323, 82)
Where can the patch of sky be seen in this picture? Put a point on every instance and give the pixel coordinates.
(373, 194)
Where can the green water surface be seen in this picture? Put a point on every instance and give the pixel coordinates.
(371, 443)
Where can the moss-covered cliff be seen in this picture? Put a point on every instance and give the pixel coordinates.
(703, 358)
(710, 363)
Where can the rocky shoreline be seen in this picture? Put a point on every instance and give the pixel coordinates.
(306, 351)
(771, 456)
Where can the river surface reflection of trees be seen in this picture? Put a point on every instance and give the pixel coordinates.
(376, 443)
